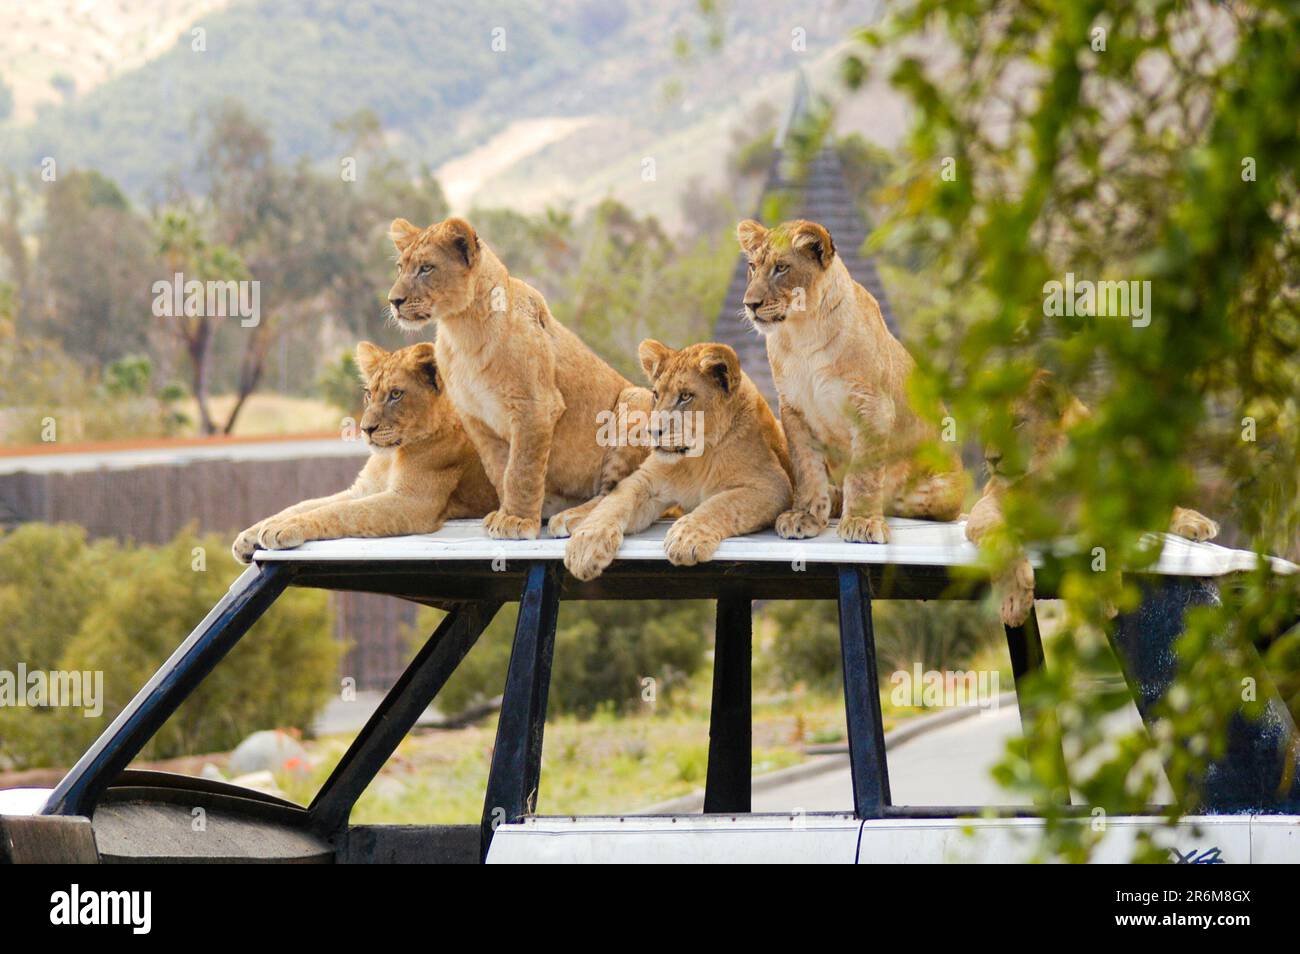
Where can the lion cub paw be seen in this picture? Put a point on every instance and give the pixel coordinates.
(245, 544)
(1192, 525)
(1017, 588)
(281, 535)
(503, 526)
(564, 523)
(864, 530)
(687, 543)
(591, 549)
(799, 525)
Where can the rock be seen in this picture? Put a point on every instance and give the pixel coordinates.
(262, 781)
(268, 751)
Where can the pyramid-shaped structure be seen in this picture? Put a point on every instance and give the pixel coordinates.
(821, 195)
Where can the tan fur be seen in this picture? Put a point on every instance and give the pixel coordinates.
(732, 476)
(530, 393)
(422, 470)
(842, 380)
(1046, 415)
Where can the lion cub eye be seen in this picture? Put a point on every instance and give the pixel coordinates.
(395, 394)
(685, 397)
(425, 269)
(781, 269)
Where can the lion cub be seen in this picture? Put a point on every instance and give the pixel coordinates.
(842, 378)
(422, 469)
(1046, 414)
(531, 395)
(719, 454)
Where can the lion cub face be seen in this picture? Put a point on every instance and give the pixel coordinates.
(404, 403)
(786, 267)
(694, 396)
(1041, 419)
(435, 268)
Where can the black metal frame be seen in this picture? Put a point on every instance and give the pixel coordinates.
(731, 724)
(1253, 775)
(516, 770)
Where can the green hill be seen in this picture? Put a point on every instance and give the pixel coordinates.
(429, 71)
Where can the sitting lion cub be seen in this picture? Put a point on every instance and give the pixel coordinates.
(719, 454)
(842, 378)
(422, 469)
(531, 395)
(1046, 414)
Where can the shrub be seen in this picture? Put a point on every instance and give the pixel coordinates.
(121, 610)
(603, 651)
(805, 645)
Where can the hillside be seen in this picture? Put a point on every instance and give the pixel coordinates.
(566, 111)
(57, 50)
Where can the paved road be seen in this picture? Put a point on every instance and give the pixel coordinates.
(946, 766)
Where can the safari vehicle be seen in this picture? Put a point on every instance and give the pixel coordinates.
(104, 811)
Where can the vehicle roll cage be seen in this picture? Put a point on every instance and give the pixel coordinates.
(1256, 774)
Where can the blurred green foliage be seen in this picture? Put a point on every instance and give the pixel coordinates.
(1149, 141)
(612, 656)
(804, 645)
(74, 606)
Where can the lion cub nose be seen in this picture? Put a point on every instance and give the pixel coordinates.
(753, 306)
(369, 429)
(396, 302)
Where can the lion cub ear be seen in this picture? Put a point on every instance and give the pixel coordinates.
(369, 357)
(654, 355)
(719, 362)
(425, 364)
(402, 233)
(460, 235)
(814, 241)
(750, 234)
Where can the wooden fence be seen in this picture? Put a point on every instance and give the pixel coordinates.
(151, 503)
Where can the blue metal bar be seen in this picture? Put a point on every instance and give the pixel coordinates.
(247, 599)
(516, 768)
(1260, 770)
(409, 696)
(727, 784)
(866, 726)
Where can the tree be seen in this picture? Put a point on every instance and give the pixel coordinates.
(94, 269)
(1144, 143)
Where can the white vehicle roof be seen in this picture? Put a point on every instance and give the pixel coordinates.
(913, 543)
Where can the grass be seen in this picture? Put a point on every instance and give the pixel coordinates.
(267, 413)
(606, 764)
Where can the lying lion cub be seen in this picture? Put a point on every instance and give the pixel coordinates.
(532, 396)
(719, 454)
(422, 469)
(842, 380)
(1046, 413)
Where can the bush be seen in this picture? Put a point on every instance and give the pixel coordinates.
(104, 607)
(805, 647)
(339, 384)
(603, 651)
